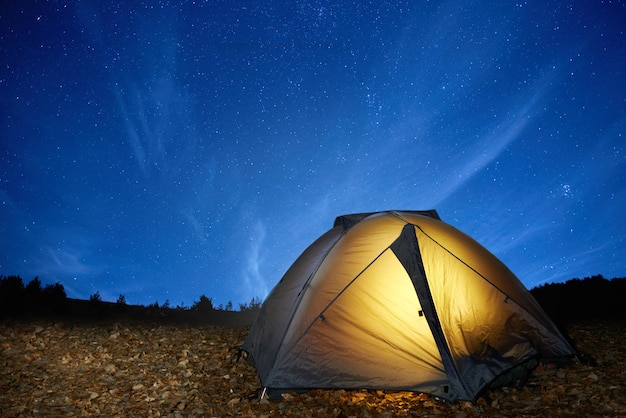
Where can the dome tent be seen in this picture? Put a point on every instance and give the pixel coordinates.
(397, 300)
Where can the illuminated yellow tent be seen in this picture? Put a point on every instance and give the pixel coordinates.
(398, 300)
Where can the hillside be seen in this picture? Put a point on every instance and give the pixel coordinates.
(99, 358)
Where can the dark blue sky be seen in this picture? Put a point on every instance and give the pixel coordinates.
(164, 150)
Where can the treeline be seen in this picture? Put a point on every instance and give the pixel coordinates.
(19, 300)
(590, 298)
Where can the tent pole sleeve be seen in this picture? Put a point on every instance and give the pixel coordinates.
(406, 249)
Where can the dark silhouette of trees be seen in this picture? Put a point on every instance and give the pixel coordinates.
(204, 305)
(17, 299)
(34, 287)
(255, 303)
(34, 295)
(97, 309)
(591, 298)
(12, 294)
(55, 299)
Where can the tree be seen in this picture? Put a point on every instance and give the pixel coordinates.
(255, 303)
(95, 297)
(203, 305)
(34, 296)
(11, 294)
(34, 287)
(11, 285)
(121, 300)
(55, 291)
(55, 298)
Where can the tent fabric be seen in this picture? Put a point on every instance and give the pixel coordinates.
(398, 300)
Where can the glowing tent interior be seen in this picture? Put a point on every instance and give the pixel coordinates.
(398, 300)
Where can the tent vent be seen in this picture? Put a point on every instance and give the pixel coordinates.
(446, 389)
(421, 313)
(322, 317)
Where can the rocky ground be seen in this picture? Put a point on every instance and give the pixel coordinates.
(69, 368)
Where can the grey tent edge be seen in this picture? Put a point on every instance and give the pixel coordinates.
(398, 300)
(516, 374)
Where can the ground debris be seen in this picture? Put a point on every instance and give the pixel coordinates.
(61, 368)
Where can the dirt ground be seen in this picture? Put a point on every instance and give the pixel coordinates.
(67, 368)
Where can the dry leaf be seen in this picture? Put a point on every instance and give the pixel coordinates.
(147, 369)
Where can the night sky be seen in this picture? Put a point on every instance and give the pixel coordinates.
(165, 150)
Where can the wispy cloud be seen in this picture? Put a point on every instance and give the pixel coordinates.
(256, 284)
(68, 262)
(196, 225)
(74, 268)
(143, 122)
(576, 263)
(476, 155)
(7, 202)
